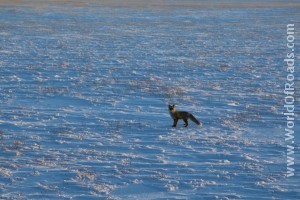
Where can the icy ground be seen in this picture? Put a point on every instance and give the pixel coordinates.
(84, 90)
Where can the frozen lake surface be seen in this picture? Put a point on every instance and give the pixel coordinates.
(84, 89)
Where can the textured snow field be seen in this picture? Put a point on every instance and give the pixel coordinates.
(84, 89)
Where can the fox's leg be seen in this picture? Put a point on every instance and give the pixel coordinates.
(175, 122)
(186, 122)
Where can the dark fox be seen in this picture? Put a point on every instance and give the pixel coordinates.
(184, 115)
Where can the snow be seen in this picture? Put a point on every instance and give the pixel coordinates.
(84, 89)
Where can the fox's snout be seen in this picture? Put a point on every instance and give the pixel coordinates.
(171, 107)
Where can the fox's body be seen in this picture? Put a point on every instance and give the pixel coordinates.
(184, 115)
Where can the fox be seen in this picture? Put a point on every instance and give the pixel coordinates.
(184, 115)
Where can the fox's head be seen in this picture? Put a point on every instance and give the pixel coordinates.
(171, 107)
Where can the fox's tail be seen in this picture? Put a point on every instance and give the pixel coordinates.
(195, 120)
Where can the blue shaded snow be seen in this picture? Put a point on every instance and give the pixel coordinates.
(84, 94)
